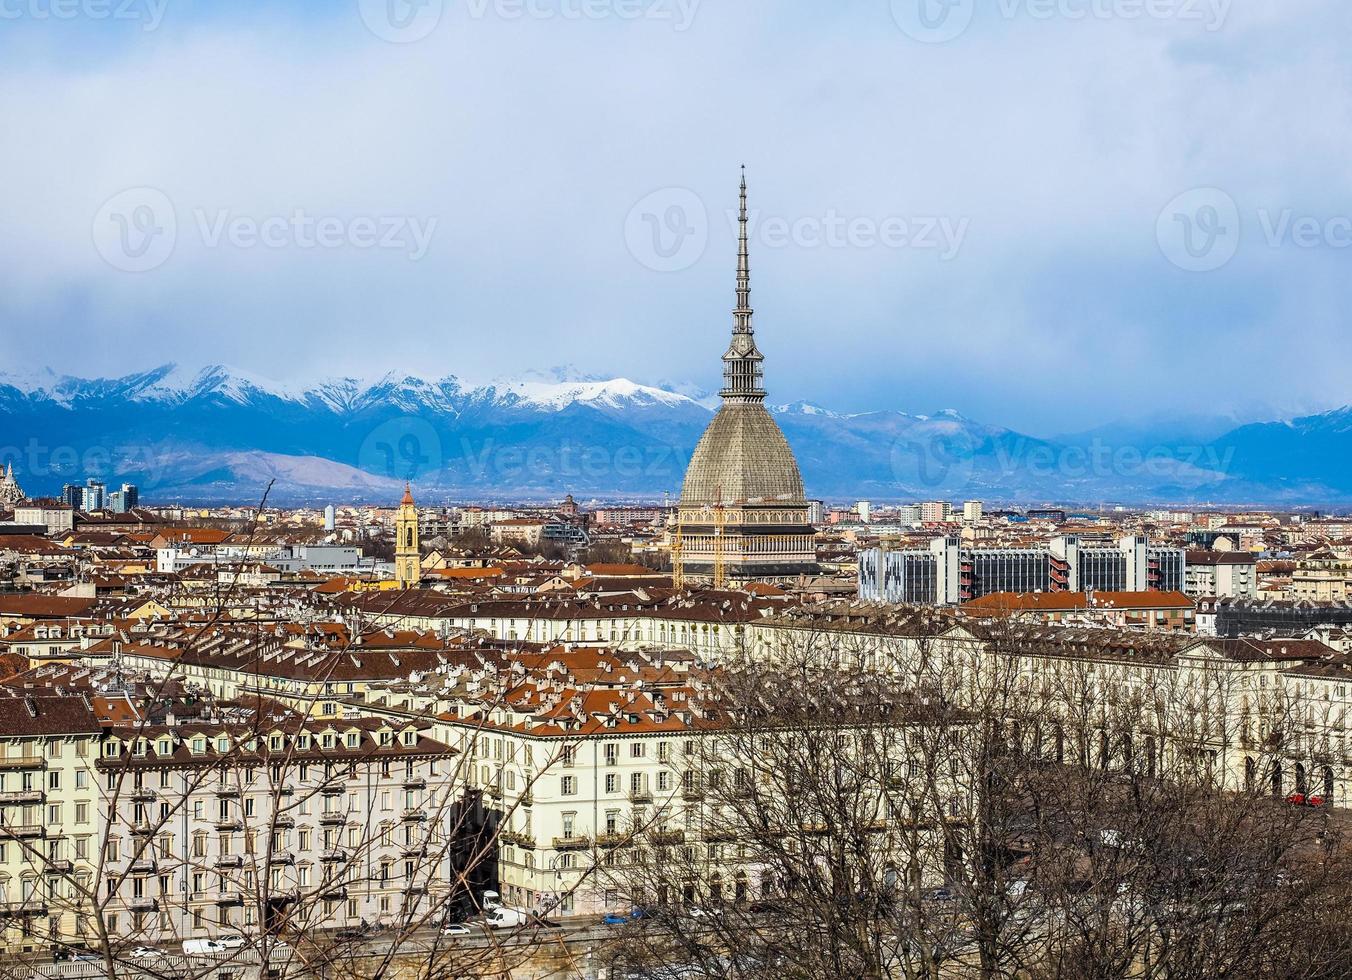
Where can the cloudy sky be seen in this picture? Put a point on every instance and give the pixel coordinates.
(1044, 213)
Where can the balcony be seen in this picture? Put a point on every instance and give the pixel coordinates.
(23, 796)
(692, 793)
(333, 789)
(612, 840)
(34, 906)
(284, 821)
(282, 857)
(143, 828)
(333, 818)
(229, 897)
(22, 831)
(334, 856)
(640, 796)
(24, 762)
(57, 866)
(333, 893)
(573, 843)
(143, 904)
(415, 782)
(415, 813)
(230, 861)
(227, 792)
(143, 796)
(668, 836)
(144, 866)
(229, 823)
(522, 840)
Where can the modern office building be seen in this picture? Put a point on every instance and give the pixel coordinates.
(948, 574)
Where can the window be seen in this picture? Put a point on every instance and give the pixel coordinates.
(612, 783)
(568, 785)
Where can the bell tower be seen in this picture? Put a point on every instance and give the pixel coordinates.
(407, 553)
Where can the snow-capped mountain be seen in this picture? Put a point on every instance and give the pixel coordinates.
(219, 433)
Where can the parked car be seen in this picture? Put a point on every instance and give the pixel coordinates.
(144, 953)
(213, 947)
(455, 929)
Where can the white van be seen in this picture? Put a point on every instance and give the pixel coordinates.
(213, 947)
(502, 917)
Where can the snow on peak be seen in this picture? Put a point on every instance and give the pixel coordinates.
(558, 395)
(803, 408)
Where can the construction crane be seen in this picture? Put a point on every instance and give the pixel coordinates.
(677, 547)
(720, 563)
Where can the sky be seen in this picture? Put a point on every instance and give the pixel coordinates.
(1046, 214)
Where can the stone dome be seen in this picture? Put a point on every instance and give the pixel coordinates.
(742, 457)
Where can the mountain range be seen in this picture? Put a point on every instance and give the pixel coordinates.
(217, 434)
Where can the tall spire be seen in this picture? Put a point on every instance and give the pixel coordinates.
(742, 362)
(741, 317)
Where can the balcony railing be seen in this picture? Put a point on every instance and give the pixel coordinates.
(640, 796)
(23, 762)
(573, 843)
(22, 830)
(334, 856)
(20, 797)
(414, 813)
